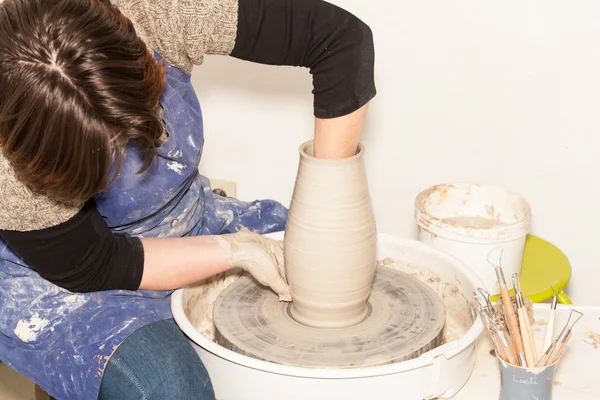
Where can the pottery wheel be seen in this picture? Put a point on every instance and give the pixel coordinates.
(405, 319)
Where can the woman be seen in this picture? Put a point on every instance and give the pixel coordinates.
(102, 210)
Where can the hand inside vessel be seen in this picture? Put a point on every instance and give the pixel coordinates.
(260, 256)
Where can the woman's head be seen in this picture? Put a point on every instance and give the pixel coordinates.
(76, 84)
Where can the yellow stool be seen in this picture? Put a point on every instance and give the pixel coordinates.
(544, 266)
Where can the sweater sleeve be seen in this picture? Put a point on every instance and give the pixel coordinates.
(22, 210)
(183, 31)
(68, 244)
(81, 254)
(333, 44)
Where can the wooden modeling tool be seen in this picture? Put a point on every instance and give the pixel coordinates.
(493, 334)
(556, 349)
(557, 353)
(502, 344)
(504, 340)
(511, 318)
(524, 324)
(485, 316)
(549, 336)
(486, 310)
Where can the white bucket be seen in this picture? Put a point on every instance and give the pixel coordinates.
(468, 221)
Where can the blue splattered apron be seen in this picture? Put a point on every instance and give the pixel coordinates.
(63, 340)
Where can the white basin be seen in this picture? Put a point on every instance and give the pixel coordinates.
(439, 373)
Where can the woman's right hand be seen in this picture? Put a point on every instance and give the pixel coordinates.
(172, 263)
(260, 256)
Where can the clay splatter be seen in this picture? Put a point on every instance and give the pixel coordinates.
(28, 330)
(176, 167)
(594, 339)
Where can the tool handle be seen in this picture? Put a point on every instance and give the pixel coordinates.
(509, 350)
(546, 356)
(507, 345)
(532, 341)
(549, 337)
(496, 341)
(512, 320)
(499, 348)
(557, 354)
(530, 338)
(527, 343)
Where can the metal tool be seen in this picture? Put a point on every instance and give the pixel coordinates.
(502, 343)
(524, 324)
(509, 311)
(486, 297)
(555, 350)
(557, 353)
(549, 336)
(504, 339)
(486, 311)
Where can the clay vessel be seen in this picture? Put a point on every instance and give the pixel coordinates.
(330, 241)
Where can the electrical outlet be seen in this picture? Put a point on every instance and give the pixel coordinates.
(224, 188)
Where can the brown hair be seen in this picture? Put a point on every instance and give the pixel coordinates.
(76, 84)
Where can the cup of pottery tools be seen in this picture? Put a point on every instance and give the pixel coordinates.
(519, 383)
(524, 374)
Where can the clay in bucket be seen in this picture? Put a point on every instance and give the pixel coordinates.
(469, 221)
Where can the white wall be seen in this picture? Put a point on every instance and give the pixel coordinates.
(503, 92)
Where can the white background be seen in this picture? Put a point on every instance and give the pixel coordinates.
(503, 92)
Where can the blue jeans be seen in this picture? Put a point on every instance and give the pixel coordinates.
(156, 362)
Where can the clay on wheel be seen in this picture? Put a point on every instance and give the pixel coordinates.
(330, 240)
(405, 318)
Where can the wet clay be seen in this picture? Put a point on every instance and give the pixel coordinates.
(199, 299)
(257, 255)
(594, 339)
(405, 319)
(330, 241)
(460, 310)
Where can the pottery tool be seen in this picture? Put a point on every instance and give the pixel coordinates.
(557, 353)
(549, 336)
(556, 349)
(498, 345)
(486, 307)
(525, 326)
(502, 343)
(509, 311)
(486, 312)
(506, 343)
